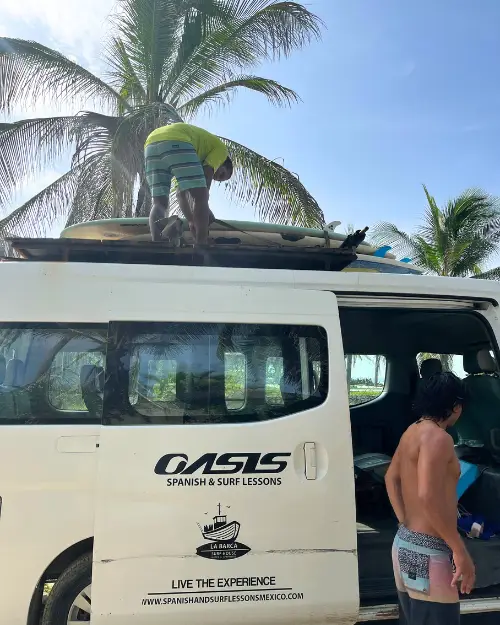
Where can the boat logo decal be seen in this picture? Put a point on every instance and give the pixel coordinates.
(221, 534)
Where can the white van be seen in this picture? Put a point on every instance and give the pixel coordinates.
(179, 443)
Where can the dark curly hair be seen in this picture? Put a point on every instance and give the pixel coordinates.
(438, 395)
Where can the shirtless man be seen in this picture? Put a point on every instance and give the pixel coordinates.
(429, 556)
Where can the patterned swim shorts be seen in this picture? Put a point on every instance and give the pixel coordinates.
(423, 571)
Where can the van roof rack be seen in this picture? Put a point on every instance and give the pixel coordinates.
(147, 252)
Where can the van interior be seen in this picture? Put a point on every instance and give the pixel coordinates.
(413, 345)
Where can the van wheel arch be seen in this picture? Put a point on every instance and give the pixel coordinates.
(59, 564)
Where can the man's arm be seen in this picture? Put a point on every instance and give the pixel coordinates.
(393, 486)
(209, 175)
(433, 471)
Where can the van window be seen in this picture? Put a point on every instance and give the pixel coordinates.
(449, 362)
(189, 373)
(51, 373)
(156, 383)
(365, 377)
(235, 379)
(64, 390)
(274, 375)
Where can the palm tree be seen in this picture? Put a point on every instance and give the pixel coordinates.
(166, 61)
(350, 362)
(378, 362)
(457, 240)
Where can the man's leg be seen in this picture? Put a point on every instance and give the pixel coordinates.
(434, 613)
(159, 180)
(192, 190)
(158, 213)
(441, 604)
(185, 206)
(403, 598)
(201, 214)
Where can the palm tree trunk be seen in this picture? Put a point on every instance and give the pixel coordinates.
(348, 368)
(140, 204)
(377, 368)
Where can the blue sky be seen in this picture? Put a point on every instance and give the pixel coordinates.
(395, 95)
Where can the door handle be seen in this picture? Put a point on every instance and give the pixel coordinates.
(77, 444)
(311, 465)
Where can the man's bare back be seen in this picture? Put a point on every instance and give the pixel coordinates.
(426, 448)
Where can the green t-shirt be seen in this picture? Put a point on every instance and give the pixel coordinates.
(210, 149)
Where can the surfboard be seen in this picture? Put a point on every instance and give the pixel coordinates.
(247, 233)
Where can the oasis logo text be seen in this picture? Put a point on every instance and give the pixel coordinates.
(218, 464)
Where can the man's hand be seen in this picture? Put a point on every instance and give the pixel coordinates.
(465, 571)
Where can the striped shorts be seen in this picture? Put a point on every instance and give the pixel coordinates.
(168, 159)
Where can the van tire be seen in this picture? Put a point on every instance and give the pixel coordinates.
(64, 592)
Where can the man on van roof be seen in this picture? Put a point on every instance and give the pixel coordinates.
(194, 157)
(430, 558)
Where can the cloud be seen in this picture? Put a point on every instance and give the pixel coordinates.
(77, 27)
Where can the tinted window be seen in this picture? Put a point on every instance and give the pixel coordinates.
(183, 373)
(66, 375)
(51, 373)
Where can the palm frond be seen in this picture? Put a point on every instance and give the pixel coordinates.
(122, 74)
(221, 94)
(28, 146)
(473, 211)
(95, 136)
(456, 240)
(427, 256)
(148, 32)
(119, 142)
(492, 230)
(386, 233)
(197, 18)
(276, 194)
(491, 274)
(259, 30)
(94, 197)
(37, 215)
(475, 253)
(32, 73)
(433, 228)
(279, 26)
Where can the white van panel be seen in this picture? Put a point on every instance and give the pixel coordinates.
(294, 555)
(47, 506)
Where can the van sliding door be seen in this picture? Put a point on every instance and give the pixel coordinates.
(225, 483)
